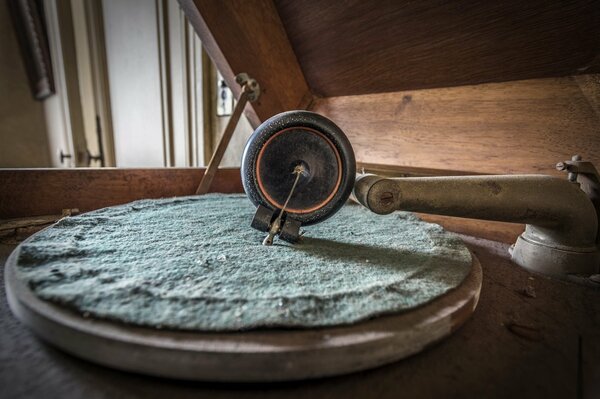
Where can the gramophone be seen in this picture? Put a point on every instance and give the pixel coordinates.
(298, 169)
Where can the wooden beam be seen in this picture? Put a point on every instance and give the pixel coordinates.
(248, 36)
(35, 192)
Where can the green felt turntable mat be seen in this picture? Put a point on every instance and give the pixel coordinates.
(194, 263)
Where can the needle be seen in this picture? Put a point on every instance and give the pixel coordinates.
(276, 226)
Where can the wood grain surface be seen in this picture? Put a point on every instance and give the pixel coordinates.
(512, 127)
(35, 192)
(496, 231)
(358, 47)
(247, 36)
(388, 170)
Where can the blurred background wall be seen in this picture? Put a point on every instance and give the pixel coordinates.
(23, 138)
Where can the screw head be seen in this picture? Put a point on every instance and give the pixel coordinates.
(386, 198)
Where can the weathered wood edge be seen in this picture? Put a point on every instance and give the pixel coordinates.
(37, 192)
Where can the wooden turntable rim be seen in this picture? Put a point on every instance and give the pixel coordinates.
(251, 356)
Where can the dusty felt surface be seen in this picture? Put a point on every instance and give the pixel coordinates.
(194, 263)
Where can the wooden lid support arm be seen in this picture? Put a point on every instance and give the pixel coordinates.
(250, 93)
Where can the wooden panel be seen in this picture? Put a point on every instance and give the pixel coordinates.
(34, 192)
(40, 195)
(372, 46)
(406, 171)
(495, 231)
(247, 36)
(513, 127)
